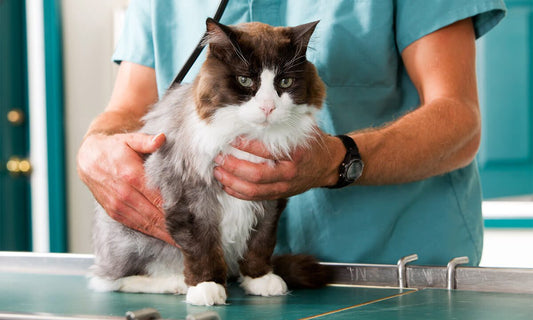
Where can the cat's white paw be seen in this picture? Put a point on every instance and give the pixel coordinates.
(103, 285)
(146, 284)
(266, 286)
(206, 294)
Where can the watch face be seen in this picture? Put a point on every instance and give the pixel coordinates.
(354, 170)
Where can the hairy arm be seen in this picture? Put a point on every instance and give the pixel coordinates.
(441, 135)
(135, 89)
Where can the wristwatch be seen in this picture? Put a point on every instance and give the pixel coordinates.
(352, 166)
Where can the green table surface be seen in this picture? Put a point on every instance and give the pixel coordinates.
(444, 304)
(68, 295)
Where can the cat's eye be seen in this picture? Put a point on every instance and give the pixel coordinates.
(245, 81)
(286, 82)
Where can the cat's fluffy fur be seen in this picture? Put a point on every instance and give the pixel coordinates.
(219, 235)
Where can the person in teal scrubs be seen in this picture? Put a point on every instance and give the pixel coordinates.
(400, 78)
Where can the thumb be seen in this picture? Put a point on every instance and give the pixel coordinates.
(145, 143)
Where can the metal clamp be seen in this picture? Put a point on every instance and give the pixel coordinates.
(450, 268)
(143, 314)
(153, 314)
(402, 269)
(209, 315)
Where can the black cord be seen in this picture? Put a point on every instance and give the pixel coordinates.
(199, 47)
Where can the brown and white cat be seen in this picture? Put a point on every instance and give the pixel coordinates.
(256, 83)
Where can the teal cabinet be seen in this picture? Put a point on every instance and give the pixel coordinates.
(15, 223)
(15, 170)
(505, 79)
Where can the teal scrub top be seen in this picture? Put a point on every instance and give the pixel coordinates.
(356, 49)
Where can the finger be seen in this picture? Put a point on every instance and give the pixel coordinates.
(236, 194)
(153, 223)
(127, 195)
(145, 143)
(132, 171)
(154, 226)
(250, 191)
(254, 147)
(247, 197)
(254, 172)
(154, 196)
(137, 212)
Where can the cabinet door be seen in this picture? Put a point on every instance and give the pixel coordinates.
(14, 180)
(505, 77)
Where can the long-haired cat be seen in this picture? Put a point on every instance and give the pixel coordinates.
(256, 83)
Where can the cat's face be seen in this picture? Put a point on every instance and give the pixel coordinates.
(258, 75)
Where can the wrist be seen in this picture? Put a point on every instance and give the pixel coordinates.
(351, 167)
(337, 152)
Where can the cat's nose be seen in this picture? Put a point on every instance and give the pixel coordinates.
(267, 107)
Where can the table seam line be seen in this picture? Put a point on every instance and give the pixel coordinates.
(359, 305)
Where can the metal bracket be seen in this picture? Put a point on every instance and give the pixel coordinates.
(153, 314)
(208, 315)
(450, 268)
(143, 314)
(402, 269)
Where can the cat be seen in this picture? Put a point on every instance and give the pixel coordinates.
(256, 83)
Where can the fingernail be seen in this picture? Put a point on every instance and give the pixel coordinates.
(237, 142)
(217, 174)
(156, 137)
(219, 160)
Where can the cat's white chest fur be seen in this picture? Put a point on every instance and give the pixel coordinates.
(238, 219)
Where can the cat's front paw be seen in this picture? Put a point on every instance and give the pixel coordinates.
(266, 286)
(206, 294)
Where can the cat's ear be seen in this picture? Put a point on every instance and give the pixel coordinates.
(218, 34)
(222, 40)
(302, 34)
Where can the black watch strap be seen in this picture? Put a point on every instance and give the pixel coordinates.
(349, 144)
(352, 154)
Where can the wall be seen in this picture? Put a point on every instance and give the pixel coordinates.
(508, 248)
(88, 37)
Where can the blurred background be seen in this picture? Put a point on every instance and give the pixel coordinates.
(56, 75)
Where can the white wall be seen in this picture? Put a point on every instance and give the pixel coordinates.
(508, 248)
(88, 80)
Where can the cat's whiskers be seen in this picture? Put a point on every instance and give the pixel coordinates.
(299, 55)
(293, 62)
(239, 53)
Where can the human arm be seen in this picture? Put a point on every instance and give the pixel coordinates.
(110, 158)
(441, 135)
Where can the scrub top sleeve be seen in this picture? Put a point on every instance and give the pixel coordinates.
(417, 18)
(135, 43)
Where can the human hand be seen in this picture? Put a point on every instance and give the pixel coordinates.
(305, 168)
(112, 167)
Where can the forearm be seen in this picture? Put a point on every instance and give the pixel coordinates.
(115, 121)
(436, 138)
(135, 90)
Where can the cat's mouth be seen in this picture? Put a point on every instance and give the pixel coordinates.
(266, 122)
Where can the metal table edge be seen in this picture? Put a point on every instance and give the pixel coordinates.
(512, 280)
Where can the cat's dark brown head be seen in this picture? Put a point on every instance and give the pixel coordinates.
(259, 73)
